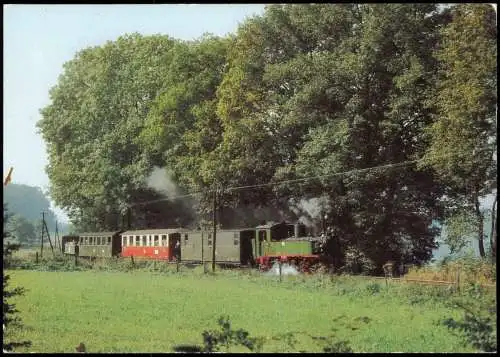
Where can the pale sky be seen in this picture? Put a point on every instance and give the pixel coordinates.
(38, 39)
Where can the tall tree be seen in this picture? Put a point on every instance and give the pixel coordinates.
(463, 137)
(182, 129)
(92, 126)
(299, 102)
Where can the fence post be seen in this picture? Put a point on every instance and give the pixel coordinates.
(177, 264)
(132, 259)
(280, 265)
(76, 259)
(458, 279)
(36, 257)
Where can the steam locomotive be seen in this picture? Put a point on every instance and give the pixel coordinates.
(260, 246)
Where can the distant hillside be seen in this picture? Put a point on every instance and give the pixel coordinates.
(29, 202)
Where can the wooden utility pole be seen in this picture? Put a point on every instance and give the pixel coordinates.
(43, 229)
(48, 234)
(215, 228)
(56, 238)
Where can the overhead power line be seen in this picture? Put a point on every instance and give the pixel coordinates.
(302, 179)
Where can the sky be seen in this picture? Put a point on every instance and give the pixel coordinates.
(39, 39)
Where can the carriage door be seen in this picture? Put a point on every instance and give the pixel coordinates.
(175, 245)
(245, 242)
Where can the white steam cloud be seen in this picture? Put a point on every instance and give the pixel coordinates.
(310, 210)
(161, 181)
(286, 269)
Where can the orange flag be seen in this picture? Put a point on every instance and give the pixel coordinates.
(8, 178)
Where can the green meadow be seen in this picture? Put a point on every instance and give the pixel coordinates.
(144, 311)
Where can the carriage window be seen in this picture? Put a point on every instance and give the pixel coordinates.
(130, 241)
(156, 241)
(235, 235)
(109, 240)
(262, 236)
(99, 241)
(164, 240)
(81, 240)
(185, 237)
(236, 241)
(137, 241)
(124, 240)
(144, 241)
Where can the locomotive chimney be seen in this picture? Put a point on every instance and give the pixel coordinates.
(296, 230)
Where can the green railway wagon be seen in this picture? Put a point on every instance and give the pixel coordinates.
(232, 246)
(99, 244)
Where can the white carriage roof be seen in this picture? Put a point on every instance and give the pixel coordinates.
(98, 234)
(156, 231)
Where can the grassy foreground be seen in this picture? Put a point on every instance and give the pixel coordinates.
(150, 312)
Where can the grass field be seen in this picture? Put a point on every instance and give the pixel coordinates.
(151, 312)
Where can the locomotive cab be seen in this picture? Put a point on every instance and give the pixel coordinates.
(281, 239)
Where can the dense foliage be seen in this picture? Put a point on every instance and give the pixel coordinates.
(10, 317)
(302, 91)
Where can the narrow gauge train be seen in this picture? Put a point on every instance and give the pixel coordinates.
(260, 246)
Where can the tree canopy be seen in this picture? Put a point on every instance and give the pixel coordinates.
(294, 106)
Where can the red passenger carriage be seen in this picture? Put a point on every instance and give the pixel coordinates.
(152, 243)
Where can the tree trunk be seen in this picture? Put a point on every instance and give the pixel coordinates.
(493, 233)
(480, 227)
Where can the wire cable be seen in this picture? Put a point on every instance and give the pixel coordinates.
(302, 179)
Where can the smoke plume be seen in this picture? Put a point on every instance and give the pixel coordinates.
(309, 210)
(161, 181)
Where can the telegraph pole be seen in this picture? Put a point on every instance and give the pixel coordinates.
(215, 227)
(43, 229)
(48, 234)
(56, 238)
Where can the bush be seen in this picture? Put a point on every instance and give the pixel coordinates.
(479, 324)
(356, 262)
(470, 269)
(213, 341)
